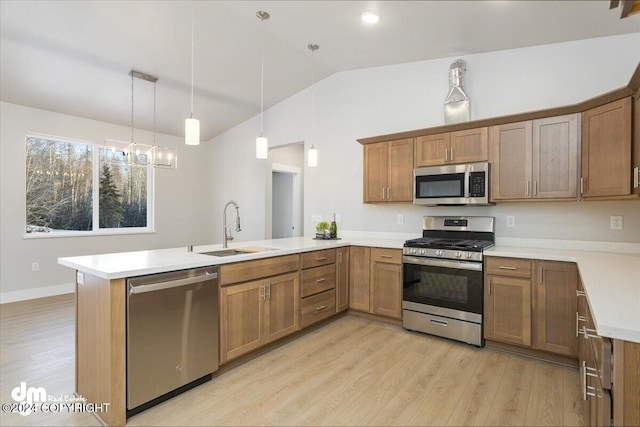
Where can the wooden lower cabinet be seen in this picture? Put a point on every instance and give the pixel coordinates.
(532, 304)
(255, 313)
(359, 292)
(507, 308)
(342, 279)
(386, 287)
(555, 307)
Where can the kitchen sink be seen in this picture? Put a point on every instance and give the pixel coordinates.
(238, 251)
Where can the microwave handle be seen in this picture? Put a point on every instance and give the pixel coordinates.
(467, 179)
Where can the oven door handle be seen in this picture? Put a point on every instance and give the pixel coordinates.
(462, 265)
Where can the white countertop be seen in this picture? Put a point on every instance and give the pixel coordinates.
(140, 263)
(611, 281)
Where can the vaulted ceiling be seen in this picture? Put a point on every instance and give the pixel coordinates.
(74, 57)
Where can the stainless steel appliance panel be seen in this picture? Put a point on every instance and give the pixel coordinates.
(460, 330)
(464, 184)
(172, 332)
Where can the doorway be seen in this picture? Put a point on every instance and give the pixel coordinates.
(284, 213)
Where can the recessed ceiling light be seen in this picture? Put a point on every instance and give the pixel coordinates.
(370, 17)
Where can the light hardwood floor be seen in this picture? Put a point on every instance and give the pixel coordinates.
(353, 371)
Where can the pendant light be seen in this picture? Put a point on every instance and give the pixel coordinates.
(262, 144)
(312, 154)
(191, 125)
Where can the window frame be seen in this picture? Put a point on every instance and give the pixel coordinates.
(95, 200)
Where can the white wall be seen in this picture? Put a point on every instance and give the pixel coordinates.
(374, 101)
(180, 198)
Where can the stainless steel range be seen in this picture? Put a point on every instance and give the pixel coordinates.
(443, 280)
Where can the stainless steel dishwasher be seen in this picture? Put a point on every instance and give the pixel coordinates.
(172, 332)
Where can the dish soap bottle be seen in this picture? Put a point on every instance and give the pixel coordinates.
(333, 228)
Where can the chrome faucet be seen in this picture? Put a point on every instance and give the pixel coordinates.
(226, 237)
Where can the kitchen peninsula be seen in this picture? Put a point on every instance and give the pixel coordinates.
(611, 282)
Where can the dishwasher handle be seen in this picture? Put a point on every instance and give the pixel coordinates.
(171, 284)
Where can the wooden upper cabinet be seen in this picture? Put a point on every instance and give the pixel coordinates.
(510, 151)
(606, 150)
(556, 306)
(388, 171)
(555, 157)
(535, 159)
(465, 146)
(636, 145)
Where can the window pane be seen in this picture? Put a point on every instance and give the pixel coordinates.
(59, 183)
(123, 193)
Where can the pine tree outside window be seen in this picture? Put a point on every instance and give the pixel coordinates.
(73, 189)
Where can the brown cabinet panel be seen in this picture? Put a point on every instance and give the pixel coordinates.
(391, 256)
(507, 308)
(468, 146)
(359, 289)
(400, 171)
(252, 270)
(430, 150)
(376, 169)
(514, 267)
(386, 289)
(555, 157)
(318, 279)
(318, 258)
(318, 307)
(606, 150)
(342, 279)
(282, 310)
(510, 151)
(556, 305)
(636, 145)
(241, 319)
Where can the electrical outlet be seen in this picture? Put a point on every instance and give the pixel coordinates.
(400, 219)
(616, 222)
(338, 218)
(35, 266)
(80, 278)
(511, 221)
(316, 218)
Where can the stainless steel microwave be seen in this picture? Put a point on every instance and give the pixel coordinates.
(466, 184)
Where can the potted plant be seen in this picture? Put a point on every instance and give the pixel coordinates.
(322, 230)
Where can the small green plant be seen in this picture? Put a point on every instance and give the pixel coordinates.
(321, 226)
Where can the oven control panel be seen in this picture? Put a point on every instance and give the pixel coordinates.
(443, 253)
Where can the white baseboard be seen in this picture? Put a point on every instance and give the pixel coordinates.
(33, 293)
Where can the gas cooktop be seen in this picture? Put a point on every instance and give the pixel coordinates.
(442, 243)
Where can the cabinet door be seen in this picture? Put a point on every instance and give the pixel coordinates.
(342, 279)
(606, 150)
(555, 157)
(432, 150)
(510, 148)
(386, 289)
(376, 169)
(468, 146)
(359, 278)
(400, 171)
(282, 311)
(241, 319)
(636, 145)
(507, 308)
(556, 306)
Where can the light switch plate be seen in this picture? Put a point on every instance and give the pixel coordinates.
(400, 219)
(511, 221)
(616, 222)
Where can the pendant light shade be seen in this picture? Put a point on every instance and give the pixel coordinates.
(312, 157)
(191, 125)
(192, 131)
(262, 144)
(262, 147)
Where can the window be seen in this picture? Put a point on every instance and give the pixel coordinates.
(76, 187)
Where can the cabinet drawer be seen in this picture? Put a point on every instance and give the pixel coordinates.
(514, 267)
(317, 258)
(391, 256)
(318, 307)
(260, 268)
(318, 279)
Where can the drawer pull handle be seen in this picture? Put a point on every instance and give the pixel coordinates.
(580, 293)
(320, 307)
(321, 258)
(589, 333)
(439, 323)
(322, 279)
(578, 320)
(502, 267)
(386, 256)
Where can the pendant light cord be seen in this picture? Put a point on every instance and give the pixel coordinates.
(192, 47)
(132, 107)
(262, 78)
(312, 94)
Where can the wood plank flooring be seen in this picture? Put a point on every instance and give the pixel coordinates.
(353, 371)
